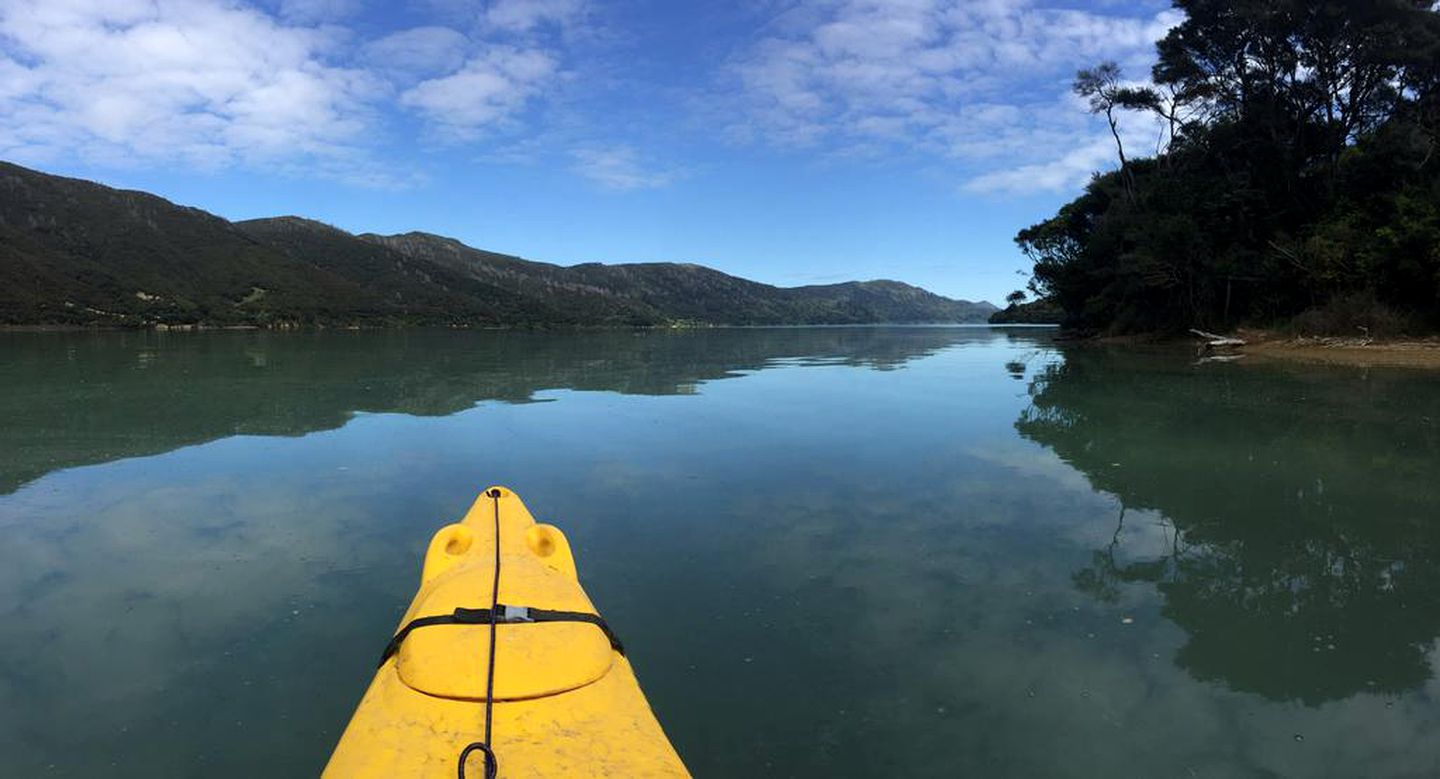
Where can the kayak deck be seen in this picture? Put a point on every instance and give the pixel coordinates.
(563, 701)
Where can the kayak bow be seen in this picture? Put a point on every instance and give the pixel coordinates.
(556, 697)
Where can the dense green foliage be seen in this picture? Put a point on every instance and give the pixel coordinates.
(1300, 177)
(1041, 311)
(75, 252)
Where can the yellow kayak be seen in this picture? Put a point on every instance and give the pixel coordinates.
(556, 697)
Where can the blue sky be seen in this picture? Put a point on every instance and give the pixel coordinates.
(790, 142)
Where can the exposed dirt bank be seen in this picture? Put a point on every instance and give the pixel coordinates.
(1405, 353)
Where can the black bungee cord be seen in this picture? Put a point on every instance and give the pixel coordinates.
(492, 763)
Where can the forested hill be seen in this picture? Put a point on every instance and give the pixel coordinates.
(1300, 183)
(76, 252)
(650, 292)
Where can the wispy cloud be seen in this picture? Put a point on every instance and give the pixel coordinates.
(1066, 167)
(317, 10)
(479, 84)
(182, 81)
(216, 83)
(1057, 175)
(984, 83)
(417, 53)
(490, 88)
(311, 86)
(526, 15)
(618, 168)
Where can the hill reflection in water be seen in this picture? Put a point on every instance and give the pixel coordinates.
(75, 399)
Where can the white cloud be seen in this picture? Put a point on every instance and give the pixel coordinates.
(182, 80)
(488, 90)
(1073, 166)
(216, 83)
(317, 10)
(982, 82)
(1063, 174)
(618, 168)
(514, 57)
(219, 83)
(417, 52)
(526, 15)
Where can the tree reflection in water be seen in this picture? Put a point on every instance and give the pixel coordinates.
(1299, 505)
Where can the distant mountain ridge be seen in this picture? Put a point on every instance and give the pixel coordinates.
(77, 252)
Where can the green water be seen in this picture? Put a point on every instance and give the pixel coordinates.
(832, 552)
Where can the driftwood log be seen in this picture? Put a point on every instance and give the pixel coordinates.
(1213, 341)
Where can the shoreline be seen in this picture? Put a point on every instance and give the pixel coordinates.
(1268, 345)
(554, 328)
(1358, 352)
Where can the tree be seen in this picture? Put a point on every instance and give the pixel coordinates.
(1016, 298)
(1296, 166)
(1101, 85)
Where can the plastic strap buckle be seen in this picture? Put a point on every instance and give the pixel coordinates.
(514, 614)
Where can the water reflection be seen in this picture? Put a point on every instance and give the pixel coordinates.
(845, 563)
(80, 398)
(215, 609)
(1297, 508)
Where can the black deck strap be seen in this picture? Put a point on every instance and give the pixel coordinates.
(548, 615)
(460, 616)
(464, 616)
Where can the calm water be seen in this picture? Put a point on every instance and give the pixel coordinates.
(832, 552)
